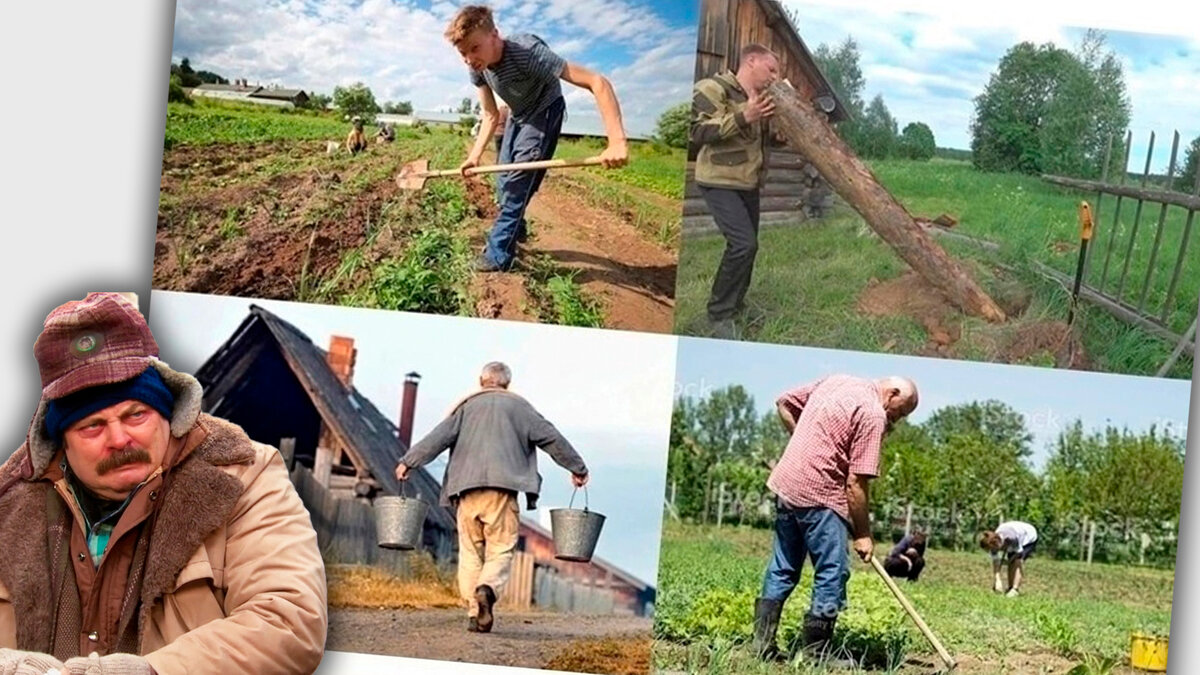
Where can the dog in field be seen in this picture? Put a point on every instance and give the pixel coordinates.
(356, 141)
(907, 558)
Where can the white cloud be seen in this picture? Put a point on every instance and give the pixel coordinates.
(398, 50)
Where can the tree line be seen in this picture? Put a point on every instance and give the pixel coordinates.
(963, 469)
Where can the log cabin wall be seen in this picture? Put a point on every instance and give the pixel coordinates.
(794, 191)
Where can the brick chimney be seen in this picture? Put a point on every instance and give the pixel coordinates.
(341, 358)
(408, 406)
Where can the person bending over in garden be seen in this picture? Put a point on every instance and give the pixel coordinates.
(525, 73)
(1011, 542)
(907, 559)
(837, 425)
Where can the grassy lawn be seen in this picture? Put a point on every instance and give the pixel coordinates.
(808, 279)
(1070, 612)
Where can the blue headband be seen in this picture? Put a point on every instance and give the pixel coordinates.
(149, 388)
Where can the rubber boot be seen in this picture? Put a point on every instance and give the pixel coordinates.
(817, 637)
(766, 624)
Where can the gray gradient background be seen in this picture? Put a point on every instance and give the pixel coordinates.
(83, 121)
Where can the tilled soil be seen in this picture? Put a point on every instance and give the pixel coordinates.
(528, 640)
(632, 277)
(271, 220)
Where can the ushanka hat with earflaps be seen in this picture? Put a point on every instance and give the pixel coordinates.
(102, 339)
(93, 354)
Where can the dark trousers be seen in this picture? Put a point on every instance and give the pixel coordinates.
(736, 214)
(527, 141)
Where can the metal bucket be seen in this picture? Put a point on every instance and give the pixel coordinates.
(399, 522)
(575, 532)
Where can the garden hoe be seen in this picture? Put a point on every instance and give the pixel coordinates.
(912, 613)
(413, 175)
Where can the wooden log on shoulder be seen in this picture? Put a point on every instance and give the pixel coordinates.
(808, 132)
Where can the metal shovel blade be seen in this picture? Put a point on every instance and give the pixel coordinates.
(412, 175)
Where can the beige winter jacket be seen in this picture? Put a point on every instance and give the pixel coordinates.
(233, 581)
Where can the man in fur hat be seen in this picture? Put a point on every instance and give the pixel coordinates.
(141, 536)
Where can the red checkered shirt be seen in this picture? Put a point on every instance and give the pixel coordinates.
(840, 423)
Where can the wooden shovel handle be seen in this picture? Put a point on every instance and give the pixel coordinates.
(912, 613)
(519, 166)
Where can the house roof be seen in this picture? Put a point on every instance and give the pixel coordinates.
(286, 94)
(226, 87)
(596, 561)
(352, 418)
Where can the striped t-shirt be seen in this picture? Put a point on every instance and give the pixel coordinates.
(526, 78)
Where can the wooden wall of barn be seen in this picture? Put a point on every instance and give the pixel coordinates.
(794, 190)
(346, 530)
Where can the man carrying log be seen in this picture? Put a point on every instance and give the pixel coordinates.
(493, 436)
(837, 426)
(730, 128)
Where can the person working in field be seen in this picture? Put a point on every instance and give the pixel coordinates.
(821, 482)
(907, 558)
(1011, 542)
(730, 128)
(493, 435)
(524, 72)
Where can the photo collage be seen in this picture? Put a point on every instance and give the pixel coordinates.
(629, 337)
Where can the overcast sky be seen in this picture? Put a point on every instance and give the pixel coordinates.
(396, 47)
(1049, 399)
(929, 66)
(609, 392)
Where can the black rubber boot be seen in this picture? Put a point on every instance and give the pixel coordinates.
(817, 640)
(766, 624)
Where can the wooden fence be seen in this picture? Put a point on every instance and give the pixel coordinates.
(555, 592)
(1147, 300)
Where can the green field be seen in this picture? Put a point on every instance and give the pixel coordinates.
(1071, 614)
(808, 279)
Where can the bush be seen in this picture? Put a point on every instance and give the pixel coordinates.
(175, 92)
(674, 125)
(917, 142)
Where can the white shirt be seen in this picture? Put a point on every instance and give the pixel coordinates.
(1016, 535)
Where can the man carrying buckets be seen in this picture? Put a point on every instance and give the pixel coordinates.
(492, 436)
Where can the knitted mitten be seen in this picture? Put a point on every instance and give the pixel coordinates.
(15, 662)
(113, 664)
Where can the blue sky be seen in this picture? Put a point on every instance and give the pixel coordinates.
(929, 66)
(1049, 399)
(609, 392)
(396, 47)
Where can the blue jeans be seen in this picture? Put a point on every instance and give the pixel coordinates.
(528, 141)
(817, 532)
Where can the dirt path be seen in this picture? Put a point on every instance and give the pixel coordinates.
(528, 640)
(632, 277)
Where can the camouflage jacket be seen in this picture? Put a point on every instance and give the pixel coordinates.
(732, 150)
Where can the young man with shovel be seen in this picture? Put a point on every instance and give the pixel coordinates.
(493, 436)
(837, 426)
(525, 73)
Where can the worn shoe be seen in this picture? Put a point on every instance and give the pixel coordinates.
(766, 624)
(484, 264)
(724, 329)
(486, 597)
(1012, 593)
